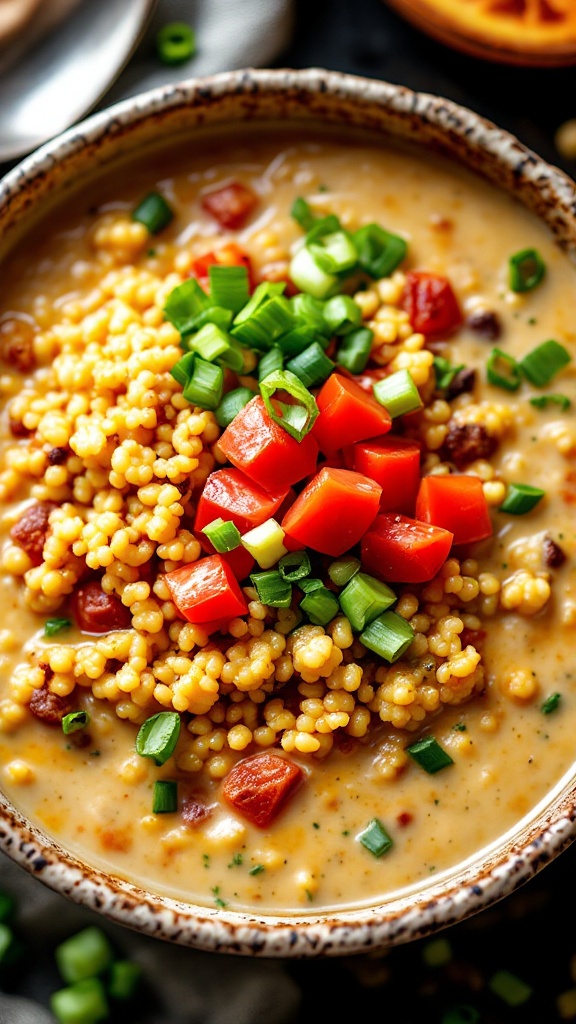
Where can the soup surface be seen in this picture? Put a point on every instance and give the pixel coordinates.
(105, 465)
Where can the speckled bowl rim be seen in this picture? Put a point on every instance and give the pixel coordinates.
(392, 111)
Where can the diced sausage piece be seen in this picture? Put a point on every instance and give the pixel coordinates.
(258, 786)
(461, 382)
(466, 442)
(485, 323)
(194, 810)
(230, 205)
(554, 557)
(17, 344)
(30, 531)
(49, 707)
(97, 612)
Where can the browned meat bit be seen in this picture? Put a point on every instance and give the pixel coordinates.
(485, 323)
(95, 611)
(49, 707)
(56, 456)
(466, 442)
(17, 344)
(461, 382)
(31, 529)
(404, 818)
(194, 810)
(554, 557)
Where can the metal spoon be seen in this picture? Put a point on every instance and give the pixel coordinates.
(63, 77)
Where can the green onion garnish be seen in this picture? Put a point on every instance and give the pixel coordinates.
(175, 42)
(302, 214)
(270, 362)
(503, 371)
(222, 534)
(510, 988)
(297, 419)
(294, 566)
(445, 372)
(343, 569)
(342, 314)
(389, 635)
(84, 955)
(319, 605)
(229, 286)
(398, 393)
(541, 401)
(312, 366)
(75, 721)
(82, 1003)
(310, 584)
(309, 311)
(273, 589)
(264, 318)
(211, 343)
(153, 212)
(375, 838)
(158, 736)
(354, 349)
(165, 797)
(309, 277)
(544, 362)
(437, 952)
(53, 626)
(379, 251)
(231, 404)
(428, 753)
(551, 703)
(334, 253)
(296, 340)
(185, 304)
(123, 979)
(363, 599)
(521, 498)
(202, 382)
(9, 947)
(7, 906)
(525, 270)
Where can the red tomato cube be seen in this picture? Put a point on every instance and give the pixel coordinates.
(333, 511)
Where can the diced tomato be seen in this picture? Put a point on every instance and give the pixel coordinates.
(347, 414)
(456, 503)
(240, 561)
(230, 205)
(229, 255)
(333, 511)
(258, 786)
(206, 590)
(263, 450)
(431, 304)
(231, 495)
(394, 463)
(404, 550)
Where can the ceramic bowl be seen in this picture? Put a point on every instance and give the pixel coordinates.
(391, 111)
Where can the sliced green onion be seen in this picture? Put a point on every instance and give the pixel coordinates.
(551, 703)
(343, 569)
(53, 626)
(265, 543)
(428, 753)
(231, 404)
(294, 566)
(309, 311)
(270, 362)
(212, 315)
(525, 270)
(229, 286)
(510, 988)
(363, 599)
(342, 314)
(503, 371)
(463, 1014)
(354, 350)
(158, 736)
(75, 721)
(379, 251)
(124, 979)
(9, 948)
(319, 605)
(309, 584)
(175, 42)
(222, 534)
(334, 253)
(296, 419)
(82, 1003)
(309, 277)
(322, 227)
(302, 214)
(84, 955)
(521, 498)
(389, 636)
(541, 401)
(437, 953)
(445, 372)
(153, 212)
(212, 343)
(204, 385)
(273, 589)
(185, 304)
(544, 362)
(312, 366)
(296, 340)
(266, 316)
(165, 797)
(7, 906)
(398, 393)
(375, 838)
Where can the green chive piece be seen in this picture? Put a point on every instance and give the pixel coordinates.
(296, 419)
(310, 584)
(541, 401)
(175, 42)
(165, 797)
(9, 948)
(7, 906)
(398, 393)
(510, 988)
(437, 953)
(334, 253)
(322, 227)
(354, 350)
(203, 387)
(503, 371)
(185, 304)
(222, 534)
(124, 979)
(229, 286)
(158, 736)
(294, 566)
(445, 372)
(525, 270)
(264, 318)
(75, 721)
(153, 212)
(544, 362)
(343, 569)
(463, 1014)
(273, 589)
(53, 626)
(320, 606)
(211, 315)
(310, 312)
(231, 404)
(375, 838)
(308, 276)
(551, 703)
(296, 340)
(302, 214)
(389, 635)
(82, 1003)
(363, 599)
(379, 251)
(428, 753)
(312, 366)
(521, 498)
(212, 343)
(342, 314)
(84, 955)
(270, 362)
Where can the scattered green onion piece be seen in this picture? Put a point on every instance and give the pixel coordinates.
(323, 226)
(212, 343)
(354, 350)
(319, 605)
(8, 945)
(184, 368)
(75, 721)
(185, 304)
(312, 366)
(204, 387)
(309, 311)
(82, 1003)
(398, 393)
(541, 401)
(302, 214)
(503, 371)
(175, 42)
(294, 566)
(525, 270)
(297, 419)
(222, 534)
(375, 838)
(437, 952)
(258, 325)
(428, 753)
(153, 212)
(53, 626)
(309, 277)
(7, 906)
(273, 589)
(544, 362)
(379, 251)
(158, 736)
(229, 286)
(342, 314)
(551, 703)
(343, 569)
(389, 635)
(270, 362)
(212, 315)
(231, 404)
(363, 599)
(445, 372)
(164, 797)
(309, 584)
(463, 1014)
(510, 988)
(84, 955)
(335, 253)
(296, 340)
(265, 543)
(521, 498)
(124, 979)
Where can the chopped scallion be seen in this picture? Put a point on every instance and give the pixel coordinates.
(354, 349)
(164, 797)
(229, 286)
(525, 270)
(75, 721)
(153, 212)
(203, 383)
(342, 314)
(231, 404)
(343, 569)
(544, 362)
(398, 393)
(309, 584)
(379, 251)
(334, 253)
(437, 952)
(551, 703)
(53, 626)
(296, 340)
(260, 322)
(273, 589)
(428, 753)
(270, 362)
(9, 948)
(375, 838)
(312, 366)
(265, 543)
(363, 599)
(319, 605)
(211, 343)
(84, 955)
(298, 417)
(309, 277)
(309, 311)
(185, 304)
(175, 42)
(82, 1003)
(445, 372)
(158, 736)
(541, 401)
(521, 498)
(302, 214)
(7, 906)
(503, 371)
(222, 534)
(294, 566)
(510, 988)
(124, 978)
(389, 635)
